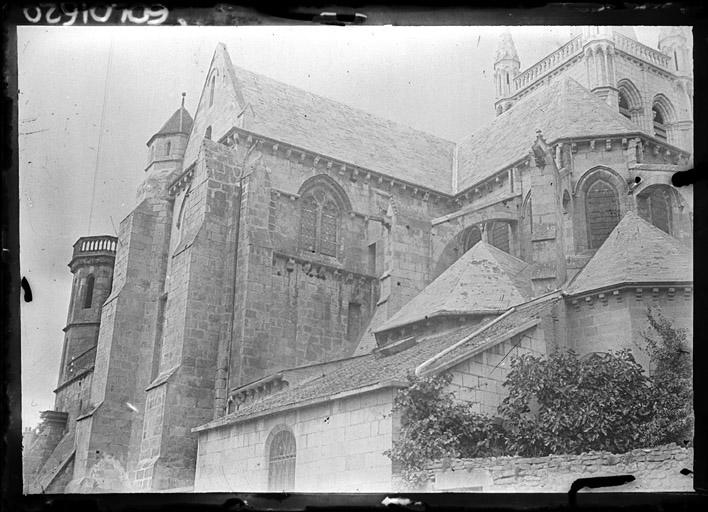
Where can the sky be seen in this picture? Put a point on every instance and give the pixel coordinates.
(91, 97)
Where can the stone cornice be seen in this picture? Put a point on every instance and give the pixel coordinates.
(78, 324)
(83, 373)
(315, 268)
(326, 163)
(596, 141)
(181, 181)
(673, 289)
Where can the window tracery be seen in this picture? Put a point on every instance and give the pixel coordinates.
(319, 223)
(281, 462)
(601, 211)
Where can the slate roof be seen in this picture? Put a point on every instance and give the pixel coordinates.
(484, 280)
(635, 252)
(292, 115)
(379, 368)
(180, 122)
(564, 109)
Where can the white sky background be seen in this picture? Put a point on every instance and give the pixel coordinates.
(436, 79)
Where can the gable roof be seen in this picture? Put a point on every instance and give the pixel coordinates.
(564, 109)
(180, 122)
(301, 118)
(387, 370)
(635, 252)
(484, 280)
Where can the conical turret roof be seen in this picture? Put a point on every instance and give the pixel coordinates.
(180, 122)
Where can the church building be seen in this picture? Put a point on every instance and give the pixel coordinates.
(292, 260)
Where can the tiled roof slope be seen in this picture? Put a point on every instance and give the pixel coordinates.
(563, 109)
(635, 252)
(298, 117)
(501, 330)
(483, 280)
(380, 368)
(180, 122)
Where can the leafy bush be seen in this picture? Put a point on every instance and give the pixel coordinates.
(561, 404)
(566, 404)
(435, 426)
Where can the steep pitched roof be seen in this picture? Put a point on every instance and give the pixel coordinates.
(635, 252)
(388, 369)
(292, 115)
(180, 122)
(483, 280)
(563, 109)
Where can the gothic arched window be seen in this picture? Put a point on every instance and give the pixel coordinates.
(624, 105)
(659, 125)
(499, 235)
(319, 222)
(281, 462)
(654, 205)
(88, 292)
(168, 148)
(471, 236)
(601, 211)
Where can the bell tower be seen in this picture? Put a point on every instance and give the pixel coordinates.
(506, 67)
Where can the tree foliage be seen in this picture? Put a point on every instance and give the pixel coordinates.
(559, 404)
(567, 404)
(672, 378)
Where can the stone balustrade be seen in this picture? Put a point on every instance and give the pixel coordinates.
(549, 63)
(95, 244)
(640, 51)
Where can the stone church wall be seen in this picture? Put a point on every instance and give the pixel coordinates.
(616, 322)
(339, 448)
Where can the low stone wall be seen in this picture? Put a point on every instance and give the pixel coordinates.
(654, 469)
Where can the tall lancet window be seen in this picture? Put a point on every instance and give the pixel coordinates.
(211, 90)
(601, 212)
(319, 223)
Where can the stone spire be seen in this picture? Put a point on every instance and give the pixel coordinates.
(506, 49)
(506, 67)
(675, 42)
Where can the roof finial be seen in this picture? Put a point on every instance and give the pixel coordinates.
(181, 111)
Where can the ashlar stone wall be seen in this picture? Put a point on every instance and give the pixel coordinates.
(339, 448)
